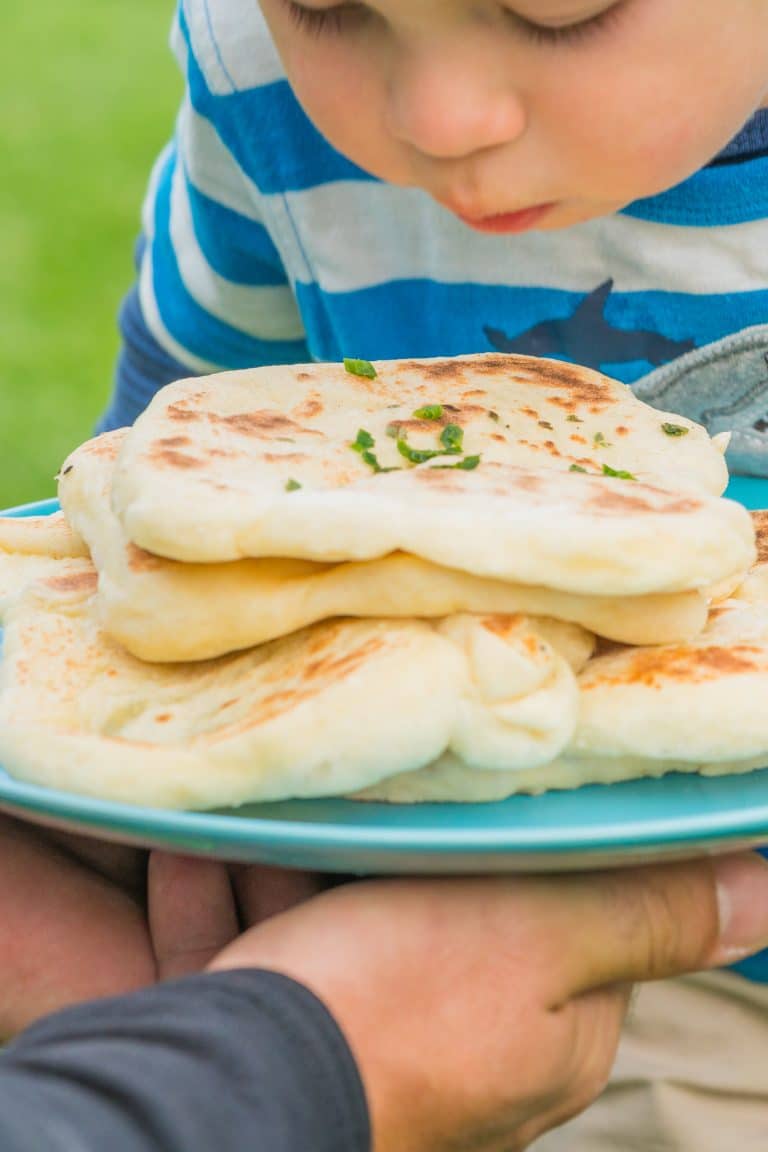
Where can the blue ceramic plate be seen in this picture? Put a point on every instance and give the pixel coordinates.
(590, 827)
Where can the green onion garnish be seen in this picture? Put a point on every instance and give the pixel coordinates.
(362, 441)
(675, 429)
(429, 412)
(619, 473)
(360, 367)
(451, 438)
(576, 468)
(292, 485)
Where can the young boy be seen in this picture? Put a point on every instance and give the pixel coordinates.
(571, 178)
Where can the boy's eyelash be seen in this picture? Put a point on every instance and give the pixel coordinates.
(323, 20)
(568, 33)
(317, 20)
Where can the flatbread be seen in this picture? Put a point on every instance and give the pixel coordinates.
(330, 709)
(694, 707)
(164, 610)
(755, 587)
(208, 474)
(31, 547)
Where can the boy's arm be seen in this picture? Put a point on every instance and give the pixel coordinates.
(235, 1060)
(212, 291)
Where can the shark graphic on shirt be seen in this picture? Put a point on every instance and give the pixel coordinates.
(586, 337)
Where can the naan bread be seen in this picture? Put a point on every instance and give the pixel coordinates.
(330, 709)
(31, 547)
(755, 587)
(208, 473)
(163, 610)
(695, 707)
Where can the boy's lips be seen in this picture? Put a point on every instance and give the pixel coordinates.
(509, 221)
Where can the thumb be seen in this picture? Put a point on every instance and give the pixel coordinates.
(191, 910)
(660, 921)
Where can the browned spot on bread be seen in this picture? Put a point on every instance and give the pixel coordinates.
(141, 561)
(84, 580)
(182, 413)
(451, 370)
(578, 439)
(612, 498)
(308, 675)
(175, 441)
(582, 386)
(622, 430)
(529, 412)
(343, 664)
(551, 447)
(173, 458)
(304, 376)
(502, 624)
(452, 414)
(282, 457)
(104, 447)
(309, 408)
(264, 422)
(497, 436)
(444, 479)
(492, 364)
(760, 524)
(473, 392)
(653, 666)
(162, 717)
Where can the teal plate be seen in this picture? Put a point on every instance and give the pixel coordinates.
(590, 827)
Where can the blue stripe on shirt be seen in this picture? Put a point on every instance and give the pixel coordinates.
(255, 124)
(195, 329)
(239, 249)
(427, 318)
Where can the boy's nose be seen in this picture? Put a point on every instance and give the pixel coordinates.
(449, 106)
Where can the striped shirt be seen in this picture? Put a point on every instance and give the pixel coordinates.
(262, 244)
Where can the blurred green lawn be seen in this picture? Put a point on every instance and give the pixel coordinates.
(88, 92)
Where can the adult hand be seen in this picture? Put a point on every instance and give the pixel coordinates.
(75, 924)
(483, 1012)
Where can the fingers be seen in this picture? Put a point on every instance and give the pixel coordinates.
(68, 935)
(263, 891)
(192, 912)
(121, 864)
(588, 1044)
(655, 922)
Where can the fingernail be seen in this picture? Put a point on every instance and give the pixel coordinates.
(742, 897)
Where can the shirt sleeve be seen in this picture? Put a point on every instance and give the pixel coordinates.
(213, 292)
(225, 1061)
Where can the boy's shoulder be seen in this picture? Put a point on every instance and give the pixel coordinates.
(229, 42)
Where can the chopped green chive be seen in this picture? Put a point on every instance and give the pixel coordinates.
(468, 464)
(360, 368)
(417, 455)
(451, 438)
(544, 424)
(619, 473)
(362, 441)
(576, 468)
(292, 485)
(393, 431)
(675, 429)
(572, 418)
(429, 412)
(600, 441)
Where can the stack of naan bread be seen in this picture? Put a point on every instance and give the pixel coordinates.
(443, 579)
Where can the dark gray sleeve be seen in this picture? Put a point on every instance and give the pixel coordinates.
(242, 1061)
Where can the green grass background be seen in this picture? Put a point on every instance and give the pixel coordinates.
(88, 94)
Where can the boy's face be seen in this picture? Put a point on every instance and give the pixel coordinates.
(527, 113)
